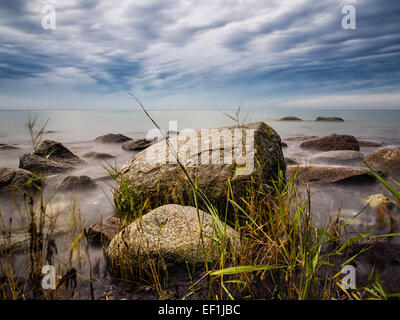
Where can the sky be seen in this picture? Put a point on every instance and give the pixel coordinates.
(195, 54)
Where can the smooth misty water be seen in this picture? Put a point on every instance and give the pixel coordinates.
(77, 129)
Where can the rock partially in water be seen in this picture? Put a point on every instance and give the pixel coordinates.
(50, 157)
(329, 119)
(112, 138)
(40, 165)
(98, 156)
(331, 174)
(137, 144)
(339, 157)
(57, 152)
(168, 236)
(290, 161)
(15, 181)
(290, 118)
(77, 183)
(386, 160)
(332, 142)
(284, 145)
(103, 232)
(155, 179)
(300, 138)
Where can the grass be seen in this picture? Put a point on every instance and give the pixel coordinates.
(279, 254)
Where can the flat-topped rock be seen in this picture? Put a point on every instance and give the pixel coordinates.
(331, 174)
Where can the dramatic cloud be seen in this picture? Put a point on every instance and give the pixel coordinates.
(199, 53)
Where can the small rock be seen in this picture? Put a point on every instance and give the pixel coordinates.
(137, 144)
(330, 119)
(75, 183)
(57, 152)
(290, 118)
(332, 142)
(104, 231)
(112, 138)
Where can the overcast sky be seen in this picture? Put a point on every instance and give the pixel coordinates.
(200, 54)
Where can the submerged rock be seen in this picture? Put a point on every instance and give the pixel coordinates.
(50, 157)
(386, 160)
(137, 144)
(301, 138)
(331, 119)
(98, 155)
(331, 174)
(369, 143)
(150, 174)
(103, 232)
(8, 147)
(339, 157)
(332, 142)
(170, 236)
(76, 183)
(290, 118)
(112, 138)
(15, 181)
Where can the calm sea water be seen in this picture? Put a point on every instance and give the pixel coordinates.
(74, 126)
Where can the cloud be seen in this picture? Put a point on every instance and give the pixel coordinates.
(260, 51)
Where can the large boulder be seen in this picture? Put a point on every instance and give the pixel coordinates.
(77, 183)
(50, 157)
(112, 138)
(331, 174)
(137, 144)
(170, 236)
(386, 160)
(329, 119)
(16, 181)
(149, 173)
(332, 142)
